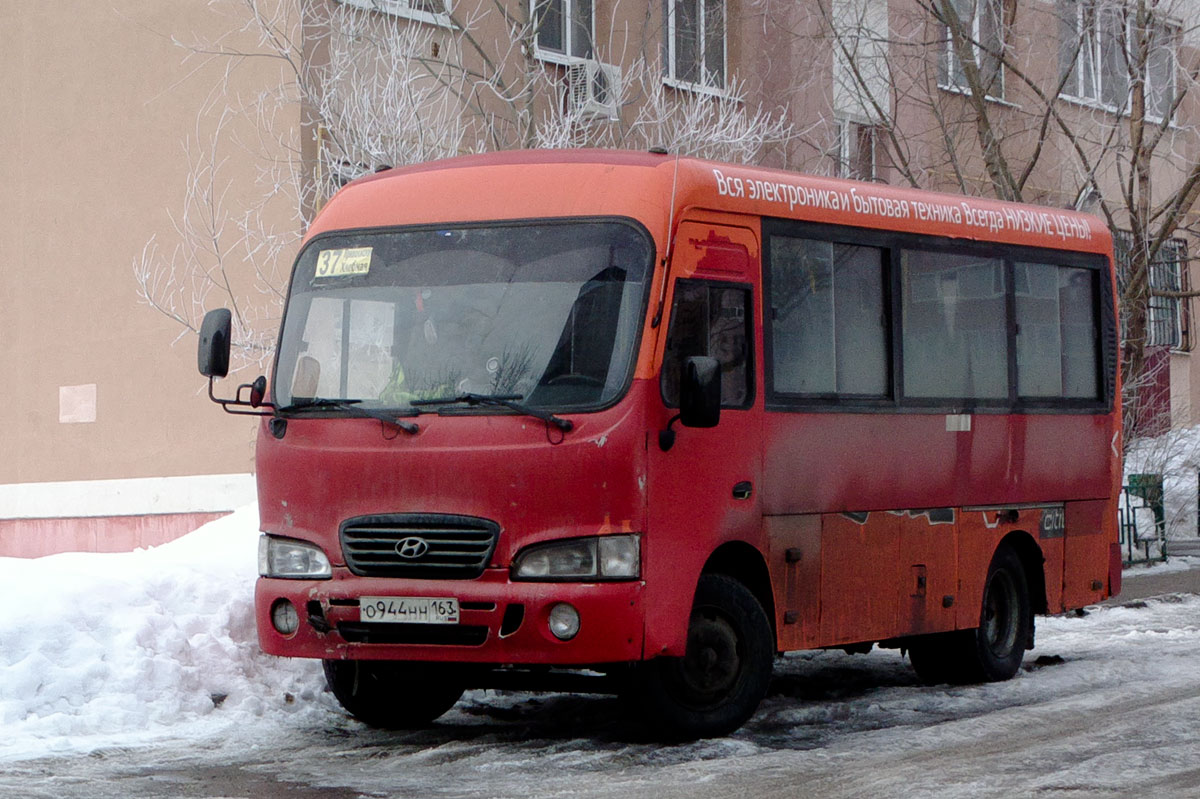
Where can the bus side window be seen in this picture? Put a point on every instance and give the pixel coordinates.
(954, 334)
(828, 319)
(710, 319)
(1058, 347)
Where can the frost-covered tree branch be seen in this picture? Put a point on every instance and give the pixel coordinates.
(340, 90)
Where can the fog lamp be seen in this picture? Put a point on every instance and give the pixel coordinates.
(284, 617)
(564, 621)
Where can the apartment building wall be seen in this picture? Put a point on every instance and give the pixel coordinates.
(108, 438)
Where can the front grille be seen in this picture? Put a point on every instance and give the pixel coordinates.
(416, 634)
(419, 545)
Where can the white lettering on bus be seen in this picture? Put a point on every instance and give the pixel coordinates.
(779, 192)
(937, 212)
(1070, 228)
(983, 218)
(827, 199)
(1028, 221)
(880, 206)
(729, 187)
(1033, 221)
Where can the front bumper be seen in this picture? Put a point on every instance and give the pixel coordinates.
(501, 622)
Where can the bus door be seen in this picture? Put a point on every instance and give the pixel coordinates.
(704, 488)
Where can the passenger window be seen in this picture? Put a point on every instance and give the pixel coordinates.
(710, 319)
(828, 318)
(1057, 345)
(955, 329)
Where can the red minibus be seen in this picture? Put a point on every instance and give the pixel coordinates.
(643, 422)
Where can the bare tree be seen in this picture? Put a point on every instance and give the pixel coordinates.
(360, 89)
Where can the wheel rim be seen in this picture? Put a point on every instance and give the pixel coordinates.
(1001, 611)
(710, 670)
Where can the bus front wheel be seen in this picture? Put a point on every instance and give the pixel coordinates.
(992, 651)
(392, 695)
(718, 683)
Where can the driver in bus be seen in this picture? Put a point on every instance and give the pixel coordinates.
(727, 343)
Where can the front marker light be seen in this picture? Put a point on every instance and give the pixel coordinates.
(620, 556)
(610, 557)
(290, 559)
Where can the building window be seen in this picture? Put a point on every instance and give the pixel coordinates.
(563, 28)
(862, 64)
(1168, 319)
(1161, 69)
(1166, 316)
(696, 43)
(1097, 54)
(435, 11)
(857, 150)
(982, 27)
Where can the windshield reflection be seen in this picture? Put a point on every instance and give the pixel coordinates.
(547, 312)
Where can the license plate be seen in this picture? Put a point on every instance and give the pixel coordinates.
(408, 610)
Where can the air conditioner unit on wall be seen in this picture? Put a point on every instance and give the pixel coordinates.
(593, 89)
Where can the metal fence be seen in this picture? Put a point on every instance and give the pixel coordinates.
(1142, 520)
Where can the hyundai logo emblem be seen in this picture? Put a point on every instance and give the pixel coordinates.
(412, 548)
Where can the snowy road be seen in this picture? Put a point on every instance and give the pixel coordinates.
(1108, 705)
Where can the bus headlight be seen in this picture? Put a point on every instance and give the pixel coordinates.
(609, 557)
(292, 559)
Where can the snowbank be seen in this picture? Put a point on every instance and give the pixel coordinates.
(99, 648)
(1176, 456)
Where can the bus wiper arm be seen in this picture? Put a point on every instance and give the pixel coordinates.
(306, 403)
(501, 401)
(350, 406)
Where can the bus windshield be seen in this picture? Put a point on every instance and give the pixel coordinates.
(546, 313)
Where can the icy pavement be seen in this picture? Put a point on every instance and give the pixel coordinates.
(138, 675)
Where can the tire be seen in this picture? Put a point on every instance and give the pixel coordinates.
(933, 657)
(393, 695)
(992, 651)
(717, 685)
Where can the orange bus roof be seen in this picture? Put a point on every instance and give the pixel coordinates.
(535, 184)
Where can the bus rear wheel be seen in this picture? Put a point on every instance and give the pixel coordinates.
(992, 651)
(393, 695)
(718, 683)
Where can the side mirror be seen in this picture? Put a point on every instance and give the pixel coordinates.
(212, 358)
(700, 392)
(212, 353)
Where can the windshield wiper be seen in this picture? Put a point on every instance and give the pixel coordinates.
(350, 406)
(304, 403)
(499, 401)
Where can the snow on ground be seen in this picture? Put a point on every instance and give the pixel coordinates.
(158, 647)
(1174, 565)
(124, 647)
